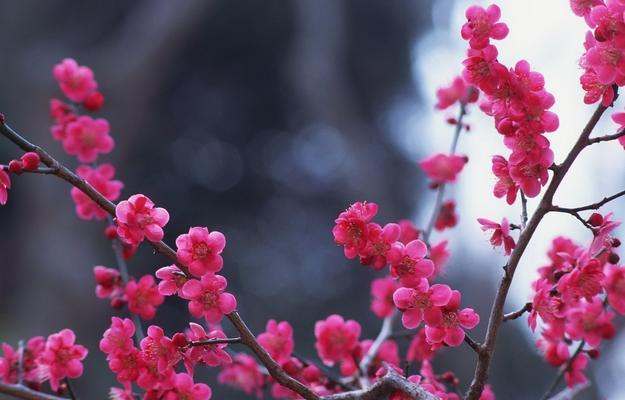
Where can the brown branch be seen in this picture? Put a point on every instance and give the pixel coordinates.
(210, 342)
(247, 337)
(495, 320)
(385, 331)
(516, 314)
(40, 170)
(606, 138)
(390, 383)
(472, 343)
(593, 206)
(23, 392)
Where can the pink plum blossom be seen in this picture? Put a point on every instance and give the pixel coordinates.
(137, 218)
(200, 250)
(207, 297)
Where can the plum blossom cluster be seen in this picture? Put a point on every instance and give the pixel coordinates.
(407, 288)
(152, 365)
(517, 100)
(576, 297)
(51, 359)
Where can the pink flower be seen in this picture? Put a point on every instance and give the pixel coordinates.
(387, 353)
(457, 91)
(118, 338)
(351, 229)
(207, 297)
(121, 394)
(442, 168)
(109, 282)
(159, 349)
(439, 254)
(505, 185)
(382, 290)
(602, 231)
(530, 177)
(336, 338)
(243, 374)
(590, 322)
(408, 264)
(607, 60)
(554, 346)
(379, 241)
(200, 250)
(9, 364)
(138, 219)
(420, 303)
(278, 340)
(575, 374)
(583, 282)
(128, 367)
(614, 283)
(420, 350)
(447, 217)
(5, 185)
(452, 321)
(211, 355)
(408, 231)
(483, 70)
(86, 137)
(173, 279)
(582, 8)
(75, 81)
(501, 233)
(596, 90)
(545, 303)
(62, 357)
(482, 25)
(101, 178)
(185, 388)
(619, 118)
(143, 297)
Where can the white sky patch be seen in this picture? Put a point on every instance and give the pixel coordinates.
(550, 37)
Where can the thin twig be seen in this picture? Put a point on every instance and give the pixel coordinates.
(593, 206)
(40, 170)
(523, 210)
(563, 371)
(210, 342)
(122, 267)
(385, 332)
(70, 389)
(472, 343)
(441, 187)
(606, 138)
(527, 307)
(20, 363)
(23, 392)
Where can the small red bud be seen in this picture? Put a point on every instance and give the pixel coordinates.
(179, 339)
(94, 101)
(613, 258)
(110, 232)
(616, 242)
(30, 161)
(16, 167)
(595, 219)
(117, 303)
(593, 353)
(452, 121)
(466, 159)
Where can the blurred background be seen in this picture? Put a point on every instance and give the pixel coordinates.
(264, 120)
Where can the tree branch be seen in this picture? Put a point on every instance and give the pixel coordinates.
(385, 332)
(388, 384)
(546, 204)
(606, 138)
(23, 392)
(247, 337)
(210, 342)
(516, 314)
(593, 206)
